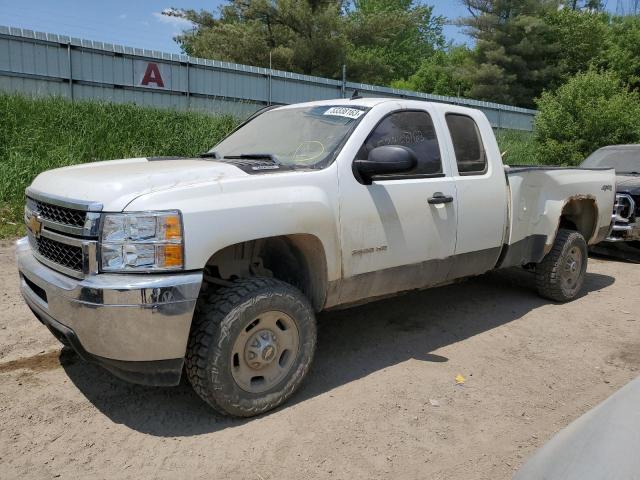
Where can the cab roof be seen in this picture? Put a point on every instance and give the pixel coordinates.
(371, 102)
(358, 102)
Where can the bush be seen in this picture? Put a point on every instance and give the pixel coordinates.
(590, 111)
(443, 73)
(41, 134)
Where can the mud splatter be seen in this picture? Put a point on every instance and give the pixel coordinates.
(627, 357)
(630, 355)
(41, 362)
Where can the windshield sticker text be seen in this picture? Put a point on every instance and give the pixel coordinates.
(344, 112)
(265, 167)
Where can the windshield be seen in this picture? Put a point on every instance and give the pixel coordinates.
(624, 160)
(304, 137)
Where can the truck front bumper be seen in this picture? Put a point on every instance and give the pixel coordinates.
(626, 221)
(134, 325)
(627, 232)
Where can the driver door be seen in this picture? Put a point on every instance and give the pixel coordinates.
(393, 237)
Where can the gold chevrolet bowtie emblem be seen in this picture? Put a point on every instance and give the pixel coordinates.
(34, 225)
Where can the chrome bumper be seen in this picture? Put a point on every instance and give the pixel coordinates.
(126, 318)
(625, 224)
(624, 232)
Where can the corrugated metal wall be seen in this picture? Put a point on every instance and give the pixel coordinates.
(36, 63)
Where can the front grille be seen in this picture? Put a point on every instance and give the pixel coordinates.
(63, 233)
(55, 213)
(68, 256)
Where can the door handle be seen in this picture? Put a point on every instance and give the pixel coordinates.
(438, 198)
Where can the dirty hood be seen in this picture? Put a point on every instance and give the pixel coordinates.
(116, 183)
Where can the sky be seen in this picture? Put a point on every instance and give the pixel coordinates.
(138, 23)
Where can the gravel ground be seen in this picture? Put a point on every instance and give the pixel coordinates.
(381, 400)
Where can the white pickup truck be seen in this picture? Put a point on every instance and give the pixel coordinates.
(219, 263)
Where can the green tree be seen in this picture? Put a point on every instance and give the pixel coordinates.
(445, 72)
(388, 39)
(585, 5)
(526, 46)
(588, 112)
(302, 36)
(622, 52)
(515, 52)
(378, 40)
(580, 36)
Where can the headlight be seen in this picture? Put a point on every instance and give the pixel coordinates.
(146, 241)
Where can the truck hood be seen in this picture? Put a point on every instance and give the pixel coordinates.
(628, 184)
(116, 183)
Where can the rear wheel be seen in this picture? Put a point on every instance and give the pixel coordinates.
(250, 346)
(561, 273)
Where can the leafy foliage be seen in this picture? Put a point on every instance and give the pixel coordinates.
(388, 39)
(446, 72)
(622, 52)
(588, 112)
(522, 47)
(512, 45)
(579, 37)
(527, 46)
(299, 36)
(378, 40)
(517, 147)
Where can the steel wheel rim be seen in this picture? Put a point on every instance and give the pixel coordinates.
(572, 268)
(264, 351)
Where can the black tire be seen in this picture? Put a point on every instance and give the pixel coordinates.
(549, 272)
(220, 318)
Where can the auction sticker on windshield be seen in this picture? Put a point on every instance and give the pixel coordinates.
(344, 112)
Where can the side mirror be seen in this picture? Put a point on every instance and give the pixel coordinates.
(384, 160)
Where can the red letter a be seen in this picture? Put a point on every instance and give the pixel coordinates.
(152, 75)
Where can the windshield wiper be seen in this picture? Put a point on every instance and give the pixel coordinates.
(209, 155)
(254, 156)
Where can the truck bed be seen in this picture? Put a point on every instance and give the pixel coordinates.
(540, 195)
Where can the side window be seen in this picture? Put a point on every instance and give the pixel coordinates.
(467, 144)
(410, 129)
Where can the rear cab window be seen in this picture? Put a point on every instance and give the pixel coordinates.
(470, 154)
(409, 128)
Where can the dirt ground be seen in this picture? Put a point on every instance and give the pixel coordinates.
(381, 400)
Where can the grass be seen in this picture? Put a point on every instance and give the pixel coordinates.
(520, 147)
(41, 134)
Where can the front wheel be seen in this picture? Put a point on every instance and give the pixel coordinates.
(561, 273)
(250, 346)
